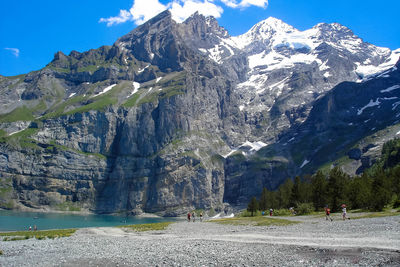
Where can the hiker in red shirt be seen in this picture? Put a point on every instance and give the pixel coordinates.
(188, 216)
(328, 213)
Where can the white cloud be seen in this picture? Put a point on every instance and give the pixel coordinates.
(143, 10)
(123, 16)
(15, 51)
(245, 3)
(181, 10)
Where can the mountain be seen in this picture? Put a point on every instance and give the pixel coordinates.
(289, 69)
(177, 116)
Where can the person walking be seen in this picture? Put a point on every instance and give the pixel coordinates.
(193, 216)
(328, 213)
(201, 216)
(344, 212)
(188, 216)
(271, 211)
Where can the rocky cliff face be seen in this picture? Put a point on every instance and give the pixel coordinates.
(181, 116)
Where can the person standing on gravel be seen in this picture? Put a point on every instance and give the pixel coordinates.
(201, 216)
(328, 213)
(193, 216)
(188, 216)
(344, 212)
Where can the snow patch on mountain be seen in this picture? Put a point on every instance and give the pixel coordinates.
(366, 71)
(247, 147)
(274, 60)
(394, 87)
(136, 87)
(305, 162)
(371, 103)
(141, 70)
(105, 90)
(255, 146)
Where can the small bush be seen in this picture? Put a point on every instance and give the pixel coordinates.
(211, 212)
(305, 208)
(1, 252)
(396, 203)
(247, 213)
(282, 212)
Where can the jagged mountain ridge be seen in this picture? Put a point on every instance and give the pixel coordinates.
(144, 125)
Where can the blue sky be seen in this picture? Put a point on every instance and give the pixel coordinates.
(33, 30)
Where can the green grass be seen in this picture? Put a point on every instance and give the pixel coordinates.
(131, 102)
(22, 139)
(67, 206)
(63, 70)
(4, 191)
(23, 136)
(147, 227)
(65, 148)
(58, 110)
(98, 104)
(19, 114)
(89, 68)
(87, 103)
(21, 235)
(170, 87)
(255, 221)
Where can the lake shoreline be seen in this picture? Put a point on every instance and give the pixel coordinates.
(21, 221)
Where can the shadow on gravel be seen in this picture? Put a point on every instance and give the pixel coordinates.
(352, 256)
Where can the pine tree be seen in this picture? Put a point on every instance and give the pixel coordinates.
(360, 191)
(337, 188)
(295, 194)
(252, 206)
(284, 191)
(395, 180)
(306, 189)
(319, 187)
(272, 200)
(380, 194)
(264, 199)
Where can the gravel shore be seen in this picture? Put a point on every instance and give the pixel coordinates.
(314, 242)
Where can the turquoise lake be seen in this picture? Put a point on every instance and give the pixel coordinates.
(20, 221)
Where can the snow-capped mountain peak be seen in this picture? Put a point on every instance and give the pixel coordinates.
(272, 24)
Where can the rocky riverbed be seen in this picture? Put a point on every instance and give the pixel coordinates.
(313, 242)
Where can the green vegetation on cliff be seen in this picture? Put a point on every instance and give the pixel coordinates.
(19, 114)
